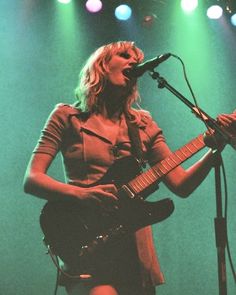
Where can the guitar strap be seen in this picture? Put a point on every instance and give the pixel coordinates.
(136, 144)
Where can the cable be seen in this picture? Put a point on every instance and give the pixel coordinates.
(192, 93)
(55, 260)
(57, 278)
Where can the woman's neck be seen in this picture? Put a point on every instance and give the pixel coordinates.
(111, 113)
(112, 105)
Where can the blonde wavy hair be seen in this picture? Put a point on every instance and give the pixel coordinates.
(92, 78)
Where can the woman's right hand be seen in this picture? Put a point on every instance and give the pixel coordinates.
(38, 183)
(104, 195)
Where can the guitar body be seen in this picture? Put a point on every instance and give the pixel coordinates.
(80, 234)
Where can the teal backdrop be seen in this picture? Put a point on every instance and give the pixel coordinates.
(43, 46)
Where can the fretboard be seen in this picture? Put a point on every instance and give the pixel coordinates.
(154, 174)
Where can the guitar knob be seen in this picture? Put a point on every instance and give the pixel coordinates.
(101, 238)
(83, 250)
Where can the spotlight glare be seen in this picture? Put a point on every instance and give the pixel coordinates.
(233, 19)
(64, 1)
(123, 12)
(189, 5)
(214, 12)
(93, 6)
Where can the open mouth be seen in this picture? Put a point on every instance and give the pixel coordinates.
(125, 72)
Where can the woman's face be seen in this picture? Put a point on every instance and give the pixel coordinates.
(117, 64)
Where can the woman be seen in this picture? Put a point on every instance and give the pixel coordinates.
(92, 135)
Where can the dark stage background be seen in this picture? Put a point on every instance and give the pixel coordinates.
(43, 46)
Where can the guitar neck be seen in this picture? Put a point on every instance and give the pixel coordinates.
(162, 168)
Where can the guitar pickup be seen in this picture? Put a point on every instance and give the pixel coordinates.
(127, 192)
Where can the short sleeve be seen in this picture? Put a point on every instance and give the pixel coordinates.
(156, 146)
(52, 134)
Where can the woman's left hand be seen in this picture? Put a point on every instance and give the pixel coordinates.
(228, 121)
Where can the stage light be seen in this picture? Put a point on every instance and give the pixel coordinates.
(231, 10)
(189, 5)
(214, 12)
(123, 12)
(233, 19)
(64, 1)
(93, 6)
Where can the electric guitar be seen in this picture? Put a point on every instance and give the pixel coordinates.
(78, 234)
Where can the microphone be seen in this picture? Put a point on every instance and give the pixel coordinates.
(148, 65)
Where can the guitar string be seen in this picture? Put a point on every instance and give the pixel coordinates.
(149, 177)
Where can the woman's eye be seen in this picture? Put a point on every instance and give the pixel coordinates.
(125, 55)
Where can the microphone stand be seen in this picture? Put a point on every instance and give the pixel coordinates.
(220, 222)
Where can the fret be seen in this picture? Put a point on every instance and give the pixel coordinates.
(188, 147)
(188, 151)
(195, 144)
(155, 173)
(143, 181)
(184, 152)
(170, 162)
(180, 155)
(134, 185)
(162, 172)
(179, 158)
(194, 148)
(150, 177)
(139, 183)
(162, 164)
(166, 164)
(147, 177)
(140, 186)
(154, 169)
(175, 159)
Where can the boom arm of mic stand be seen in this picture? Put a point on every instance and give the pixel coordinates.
(200, 114)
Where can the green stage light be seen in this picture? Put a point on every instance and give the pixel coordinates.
(64, 1)
(189, 5)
